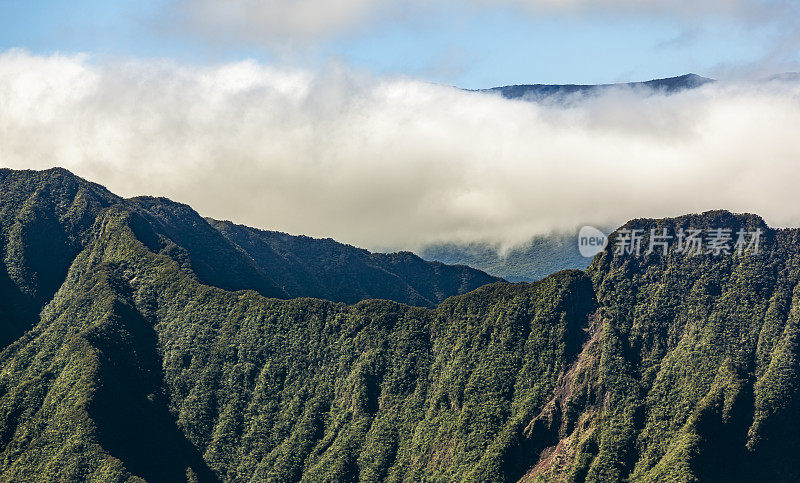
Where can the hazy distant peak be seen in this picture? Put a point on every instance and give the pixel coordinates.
(786, 77)
(541, 91)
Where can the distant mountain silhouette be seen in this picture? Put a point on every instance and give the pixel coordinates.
(534, 260)
(786, 77)
(537, 92)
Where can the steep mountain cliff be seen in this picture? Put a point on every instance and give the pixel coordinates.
(48, 217)
(148, 362)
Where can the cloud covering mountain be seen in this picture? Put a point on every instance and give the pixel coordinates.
(389, 163)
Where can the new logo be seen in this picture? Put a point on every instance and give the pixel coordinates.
(591, 241)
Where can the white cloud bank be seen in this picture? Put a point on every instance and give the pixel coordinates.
(398, 163)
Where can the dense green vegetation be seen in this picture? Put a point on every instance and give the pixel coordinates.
(158, 357)
(326, 269)
(691, 371)
(47, 218)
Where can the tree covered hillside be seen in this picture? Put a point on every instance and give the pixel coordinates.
(135, 356)
(160, 358)
(45, 221)
(326, 269)
(48, 217)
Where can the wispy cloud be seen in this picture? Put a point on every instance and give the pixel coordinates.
(282, 22)
(395, 162)
(292, 28)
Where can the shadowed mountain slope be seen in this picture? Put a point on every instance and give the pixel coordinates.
(308, 267)
(47, 218)
(269, 389)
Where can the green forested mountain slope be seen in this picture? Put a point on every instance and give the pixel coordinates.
(308, 267)
(690, 372)
(271, 389)
(46, 219)
(651, 368)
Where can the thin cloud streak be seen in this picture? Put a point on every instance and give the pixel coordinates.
(278, 22)
(290, 28)
(396, 163)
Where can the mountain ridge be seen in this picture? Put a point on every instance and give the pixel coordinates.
(299, 256)
(203, 250)
(539, 257)
(538, 92)
(650, 367)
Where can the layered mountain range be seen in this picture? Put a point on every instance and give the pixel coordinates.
(531, 261)
(142, 342)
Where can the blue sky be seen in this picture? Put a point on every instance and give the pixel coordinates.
(470, 47)
(301, 139)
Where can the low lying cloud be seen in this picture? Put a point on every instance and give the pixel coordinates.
(390, 163)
